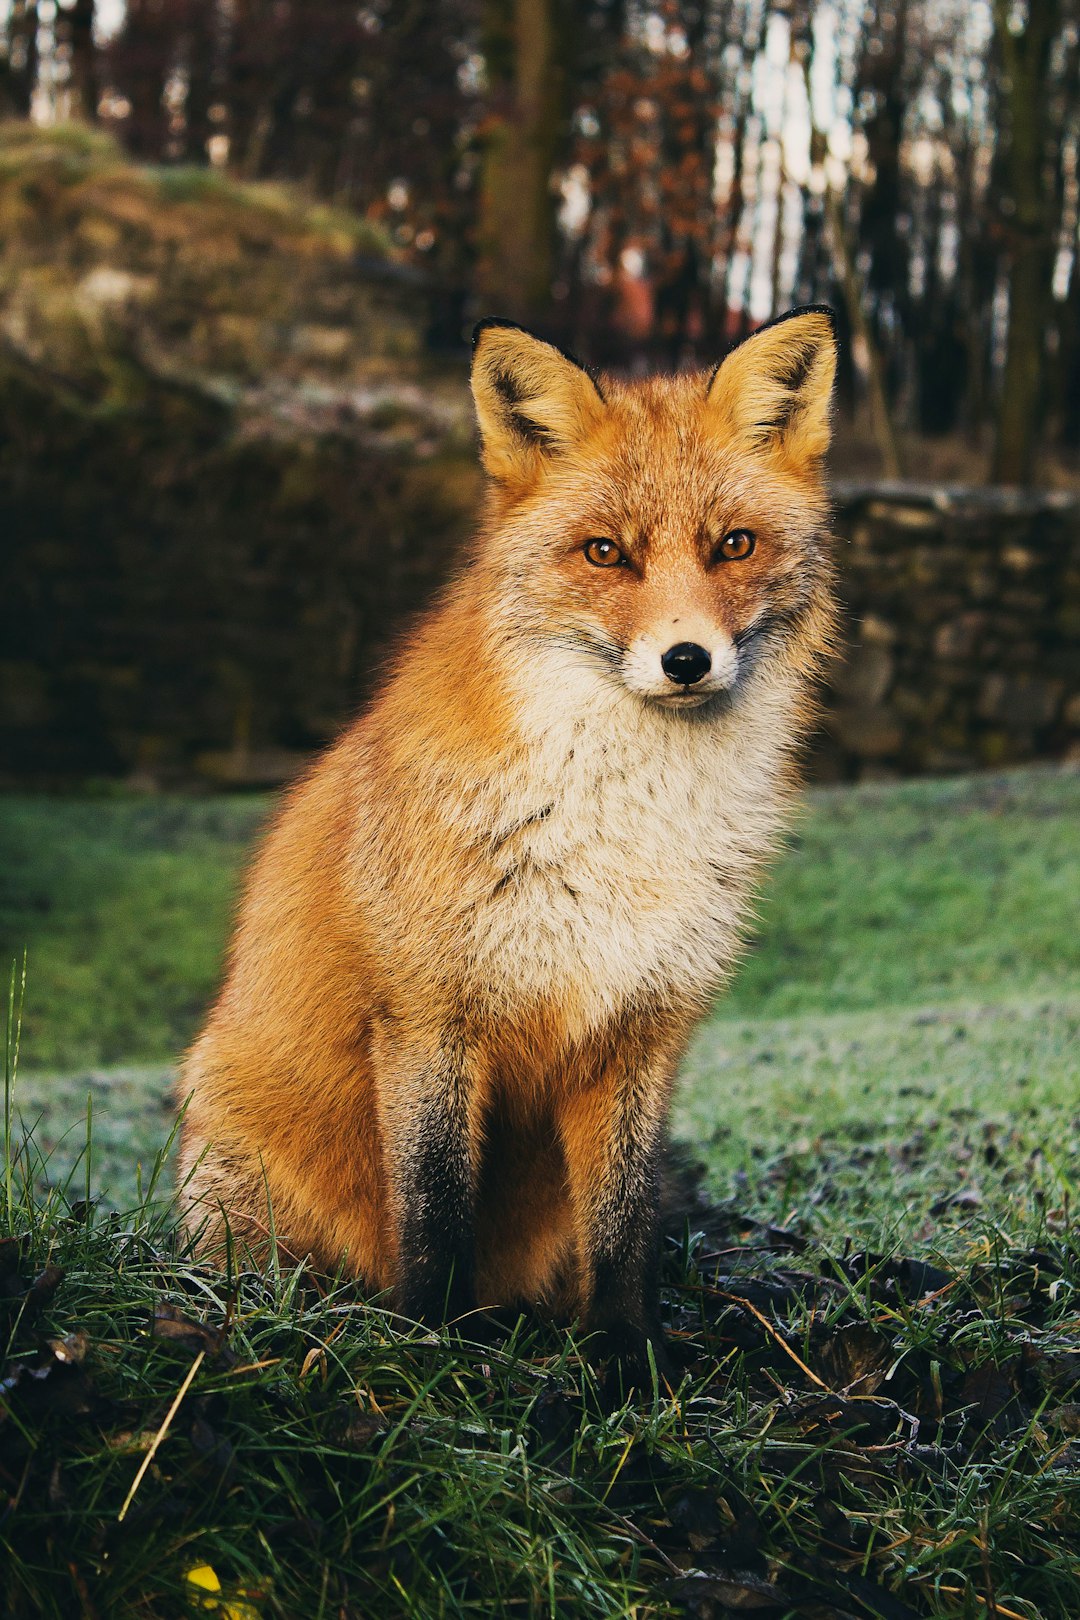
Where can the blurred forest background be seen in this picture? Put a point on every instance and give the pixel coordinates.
(243, 242)
(648, 180)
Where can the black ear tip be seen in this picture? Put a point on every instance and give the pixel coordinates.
(815, 309)
(488, 323)
(779, 320)
(793, 315)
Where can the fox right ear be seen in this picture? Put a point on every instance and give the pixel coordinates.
(774, 389)
(532, 400)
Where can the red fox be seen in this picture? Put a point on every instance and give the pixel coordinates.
(483, 926)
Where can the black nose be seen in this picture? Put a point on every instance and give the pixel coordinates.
(685, 663)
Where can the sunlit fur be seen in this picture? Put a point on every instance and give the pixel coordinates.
(514, 884)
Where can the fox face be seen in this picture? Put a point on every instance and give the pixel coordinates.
(666, 532)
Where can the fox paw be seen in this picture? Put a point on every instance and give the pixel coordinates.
(630, 1352)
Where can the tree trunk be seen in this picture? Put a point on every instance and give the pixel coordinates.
(851, 285)
(1024, 59)
(522, 44)
(142, 60)
(79, 26)
(18, 73)
(1069, 360)
(855, 303)
(203, 46)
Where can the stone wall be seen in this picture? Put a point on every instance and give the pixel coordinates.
(188, 595)
(230, 465)
(962, 631)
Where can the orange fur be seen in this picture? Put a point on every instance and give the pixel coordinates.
(481, 928)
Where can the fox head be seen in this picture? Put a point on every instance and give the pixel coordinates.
(667, 532)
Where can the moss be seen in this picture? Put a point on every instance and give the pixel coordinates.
(100, 256)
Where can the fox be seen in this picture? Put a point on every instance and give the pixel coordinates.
(482, 927)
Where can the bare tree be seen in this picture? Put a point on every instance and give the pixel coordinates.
(526, 46)
(18, 64)
(1024, 52)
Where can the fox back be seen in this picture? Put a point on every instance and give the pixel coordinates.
(481, 929)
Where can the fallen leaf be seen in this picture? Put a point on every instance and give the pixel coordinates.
(171, 1324)
(735, 1593)
(855, 1356)
(696, 1515)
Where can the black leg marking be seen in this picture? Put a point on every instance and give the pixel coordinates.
(615, 1188)
(626, 1276)
(434, 1186)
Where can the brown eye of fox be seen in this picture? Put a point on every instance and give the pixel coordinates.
(603, 553)
(735, 546)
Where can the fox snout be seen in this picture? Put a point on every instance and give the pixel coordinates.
(680, 671)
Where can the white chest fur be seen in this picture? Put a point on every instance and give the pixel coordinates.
(623, 848)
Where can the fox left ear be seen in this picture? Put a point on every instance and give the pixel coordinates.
(776, 387)
(532, 400)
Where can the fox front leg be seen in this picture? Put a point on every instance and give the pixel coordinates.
(428, 1109)
(612, 1133)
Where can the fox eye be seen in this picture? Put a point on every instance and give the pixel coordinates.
(603, 553)
(736, 545)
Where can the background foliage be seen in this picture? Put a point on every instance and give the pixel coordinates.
(649, 179)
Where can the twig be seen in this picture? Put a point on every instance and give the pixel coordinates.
(644, 1540)
(159, 1437)
(781, 1341)
(960, 1591)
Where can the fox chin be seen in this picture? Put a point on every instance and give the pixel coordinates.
(480, 930)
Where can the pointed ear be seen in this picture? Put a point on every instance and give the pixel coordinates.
(775, 389)
(532, 401)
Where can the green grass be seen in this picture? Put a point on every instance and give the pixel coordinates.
(903, 893)
(854, 1434)
(122, 907)
(872, 1288)
(895, 1111)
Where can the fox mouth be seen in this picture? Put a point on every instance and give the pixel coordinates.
(688, 697)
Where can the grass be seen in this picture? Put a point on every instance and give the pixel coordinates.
(854, 1433)
(122, 907)
(872, 1285)
(905, 893)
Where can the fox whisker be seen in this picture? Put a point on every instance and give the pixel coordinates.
(592, 645)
